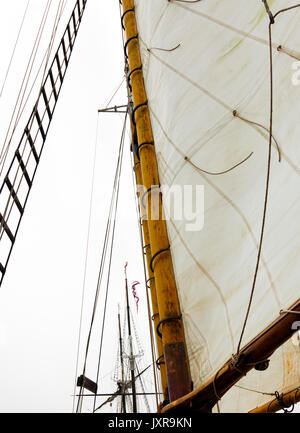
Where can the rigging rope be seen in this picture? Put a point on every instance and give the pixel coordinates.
(23, 106)
(271, 22)
(14, 48)
(118, 175)
(7, 212)
(113, 207)
(25, 80)
(86, 258)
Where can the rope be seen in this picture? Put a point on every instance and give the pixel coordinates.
(146, 285)
(21, 110)
(185, 1)
(113, 210)
(271, 19)
(119, 168)
(86, 259)
(164, 49)
(236, 114)
(221, 172)
(14, 48)
(253, 390)
(25, 81)
(6, 214)
(279, 398)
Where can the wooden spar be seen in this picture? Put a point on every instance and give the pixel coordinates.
(171, 326)
(131, 356)
(122, 363)
(151, 280)
(259, 349)
(284, 402)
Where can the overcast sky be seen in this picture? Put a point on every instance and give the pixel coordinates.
(40, 297)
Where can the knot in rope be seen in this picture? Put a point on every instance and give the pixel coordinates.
(279, 398)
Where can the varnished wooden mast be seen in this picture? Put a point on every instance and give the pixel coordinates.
(170, 325)
(151, 279)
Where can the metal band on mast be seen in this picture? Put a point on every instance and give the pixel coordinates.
(175, 354)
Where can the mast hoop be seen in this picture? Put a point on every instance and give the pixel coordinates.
(159, 362)
(145, 193)
(139, 68)
(167, 319)
(145, 247)
(154, 315)
(157, 254)
(136, 108)
(127, 42)
(150, 143)
(123, 16)
(148, 281)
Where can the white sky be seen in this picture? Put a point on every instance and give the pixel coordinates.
(41, 294)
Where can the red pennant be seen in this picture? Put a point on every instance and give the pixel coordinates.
(134, 284)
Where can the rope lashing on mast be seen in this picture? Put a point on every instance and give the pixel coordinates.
(281, 401)
(279, 398)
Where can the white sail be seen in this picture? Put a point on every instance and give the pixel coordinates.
(259, 387)
(222, 65)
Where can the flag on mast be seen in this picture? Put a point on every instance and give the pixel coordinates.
(134, 284)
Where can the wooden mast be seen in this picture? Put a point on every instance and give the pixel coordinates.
(151, 279)
(122, 364)
(131, 355)
(170, 325)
